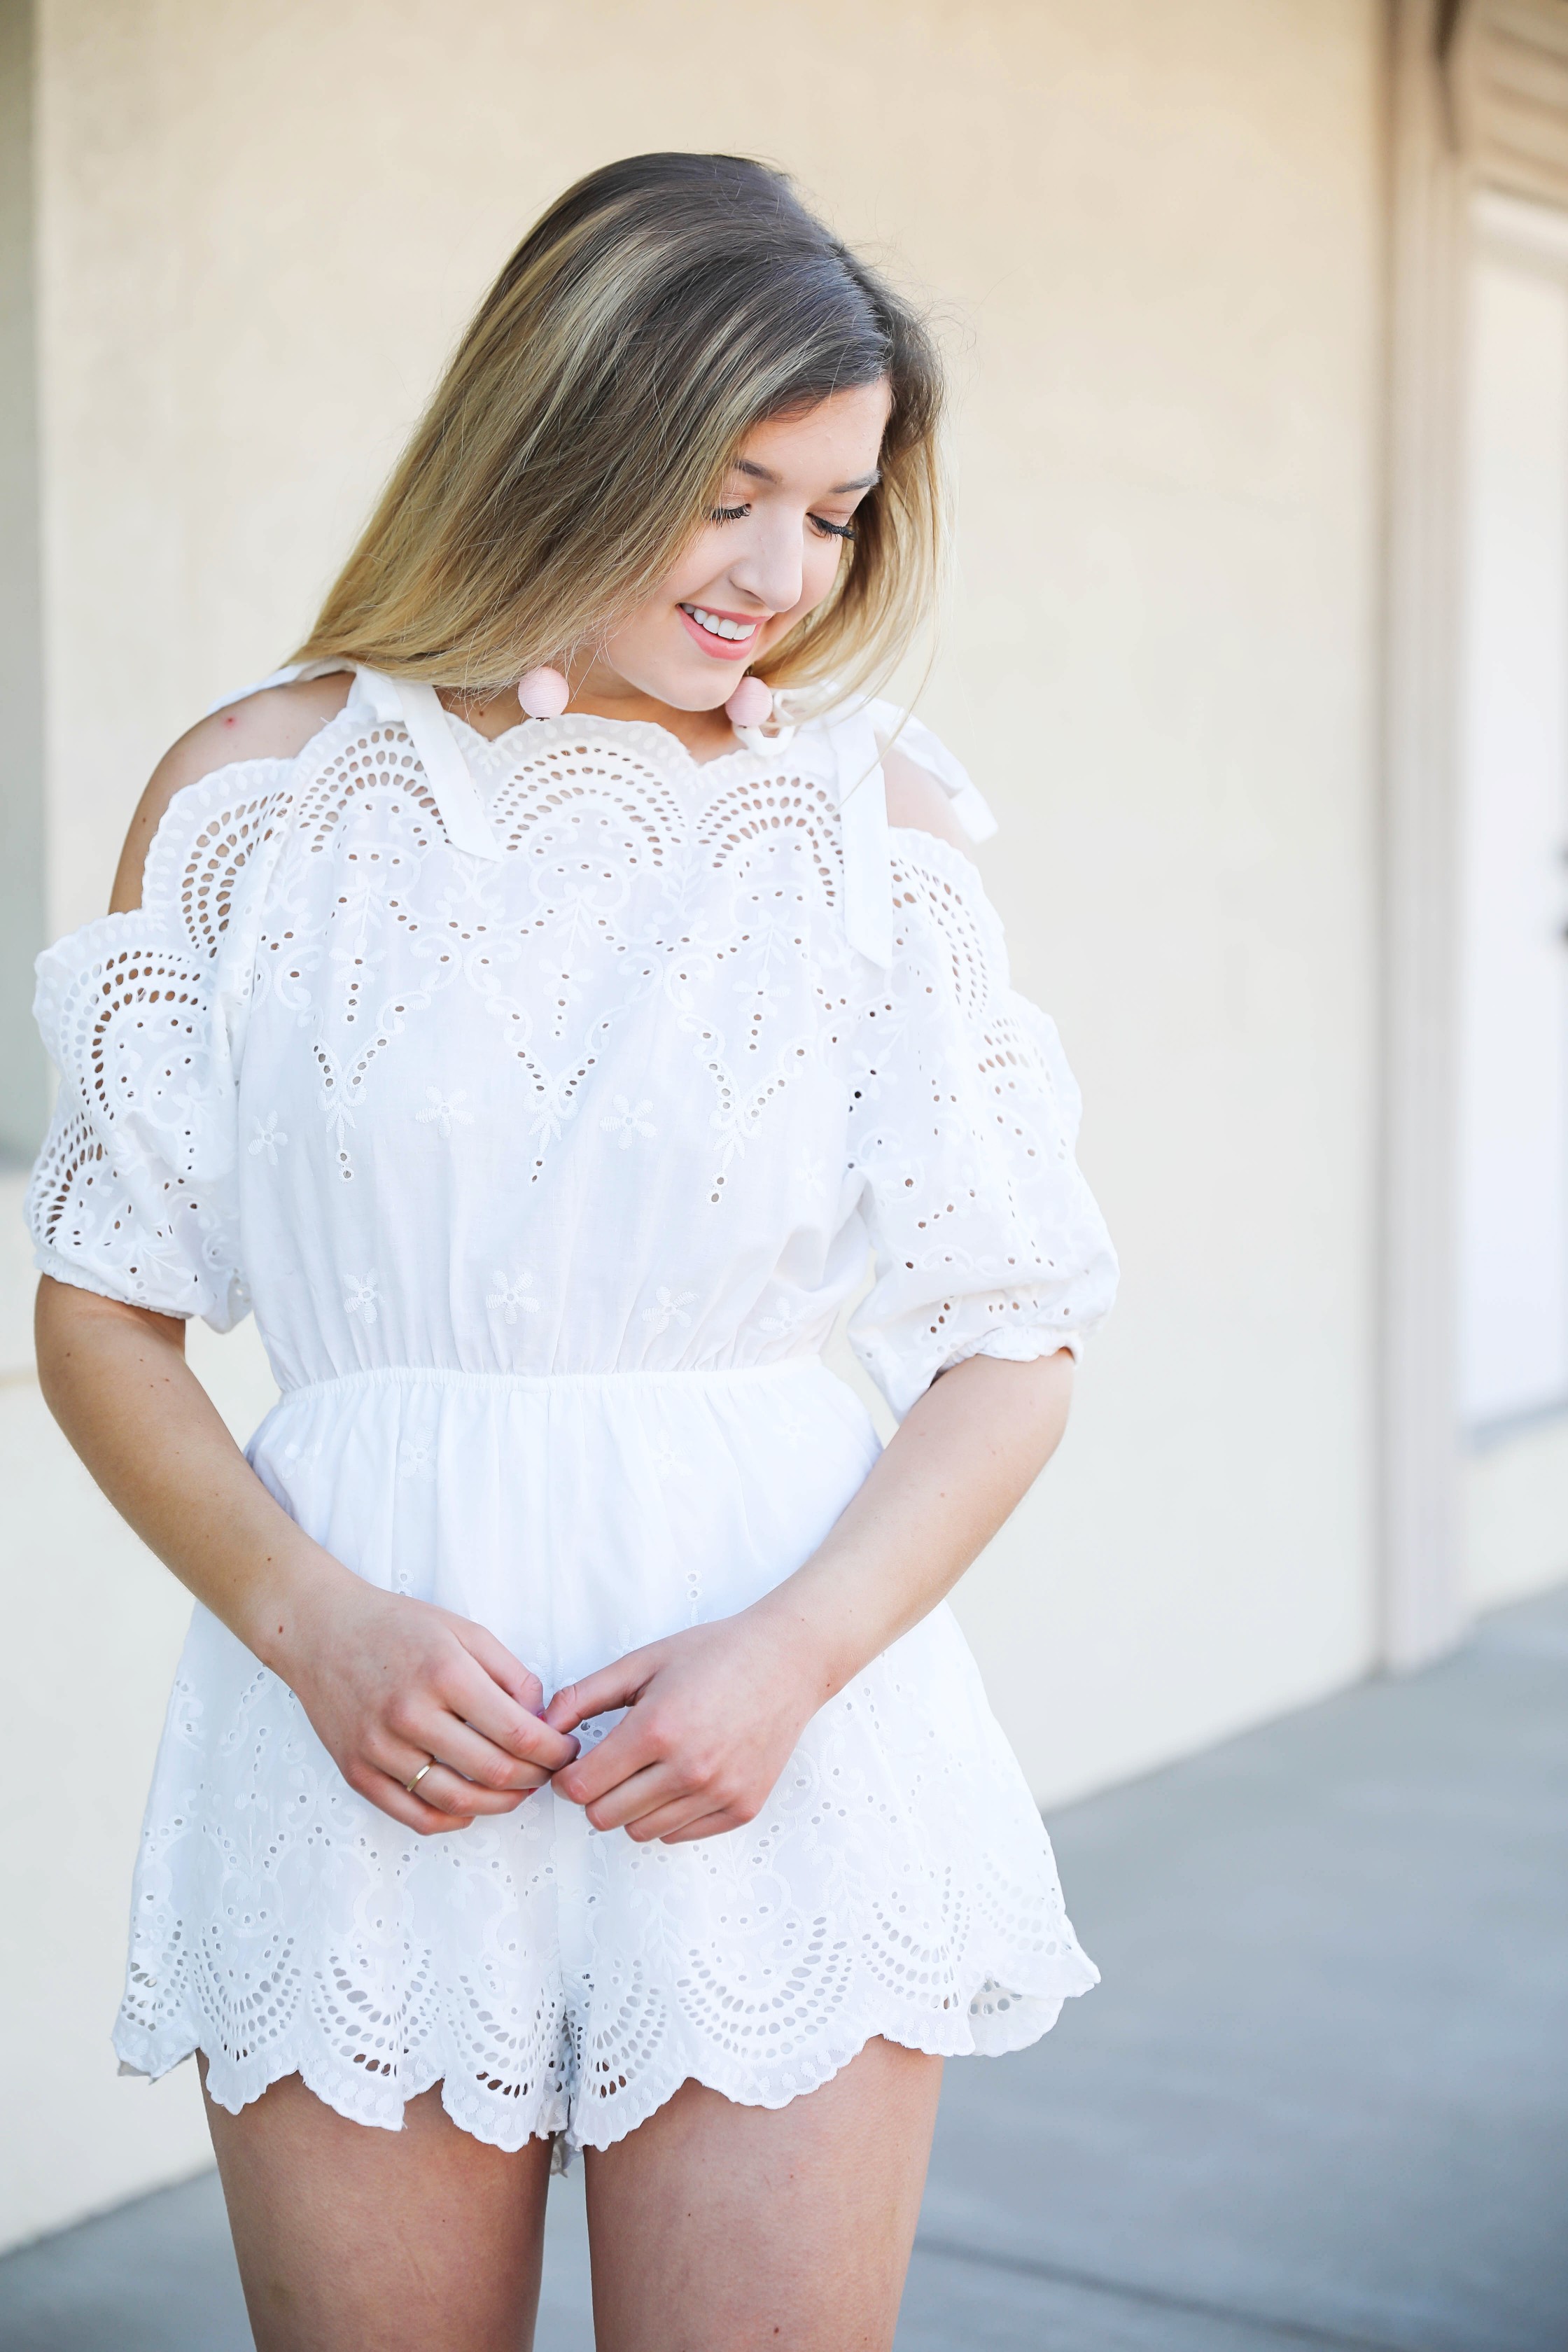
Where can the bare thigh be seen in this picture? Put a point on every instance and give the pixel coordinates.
(717, 2228)
(355, 2240)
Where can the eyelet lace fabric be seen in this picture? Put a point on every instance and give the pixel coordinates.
(547, 1177)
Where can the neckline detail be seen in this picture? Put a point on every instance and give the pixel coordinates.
(656, 742)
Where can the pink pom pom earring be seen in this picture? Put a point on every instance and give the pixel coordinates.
(751, 706)
(543, 693)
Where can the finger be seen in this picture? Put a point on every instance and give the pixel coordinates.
(620, 1684)
(705, 1826)
(411, 1813)
(684, 1817)
(650, 1791)
(467, 1751)
(413, 1763)
(448, 1792)
(472, 1695)
(517, 1680)
(631, 1746)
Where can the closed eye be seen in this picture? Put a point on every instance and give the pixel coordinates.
(819, 523)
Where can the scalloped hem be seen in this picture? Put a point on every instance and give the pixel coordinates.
(1011, 2021)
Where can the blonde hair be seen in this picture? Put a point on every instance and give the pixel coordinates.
(661, 310)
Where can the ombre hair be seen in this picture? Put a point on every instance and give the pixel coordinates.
(660, 310)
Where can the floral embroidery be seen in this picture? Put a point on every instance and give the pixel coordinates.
(445, 1111)
(361, 1297)
(510, 1296)
(628, 1119)
(667, 1310)
(266, 1139)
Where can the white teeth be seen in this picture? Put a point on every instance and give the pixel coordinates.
(718, 627)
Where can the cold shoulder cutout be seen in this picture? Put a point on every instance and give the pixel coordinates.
(916, 801)
(912, 741)
(273, 722)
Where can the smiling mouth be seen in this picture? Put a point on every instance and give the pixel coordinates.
(725, 633)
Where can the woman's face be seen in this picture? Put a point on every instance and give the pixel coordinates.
(768, 553)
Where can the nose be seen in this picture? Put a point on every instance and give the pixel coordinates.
(770, 566)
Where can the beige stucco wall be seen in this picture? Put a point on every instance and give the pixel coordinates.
(93, 1626)
(1155, 226)
(24, 1074)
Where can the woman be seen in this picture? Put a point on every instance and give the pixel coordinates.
(570, 1743)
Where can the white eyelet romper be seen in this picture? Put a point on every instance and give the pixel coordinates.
(544, 1099)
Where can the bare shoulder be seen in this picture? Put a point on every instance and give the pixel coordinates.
(274, 724)
(915, 798)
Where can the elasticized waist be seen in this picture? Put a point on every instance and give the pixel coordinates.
(551, 1384)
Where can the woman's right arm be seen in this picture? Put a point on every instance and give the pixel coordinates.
(387, 1681)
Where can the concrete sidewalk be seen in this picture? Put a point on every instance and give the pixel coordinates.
(1322, 2097)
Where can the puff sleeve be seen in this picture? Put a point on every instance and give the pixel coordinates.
(134, 1192)
(986, 1239)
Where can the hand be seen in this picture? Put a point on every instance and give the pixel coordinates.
(713, 1714)
(390, 1683)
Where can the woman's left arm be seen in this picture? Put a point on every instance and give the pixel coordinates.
(714, 1712)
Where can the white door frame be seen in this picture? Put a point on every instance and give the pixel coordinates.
(1477, 98)
(1514, 1085)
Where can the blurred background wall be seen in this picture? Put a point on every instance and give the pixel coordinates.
(1228, 442)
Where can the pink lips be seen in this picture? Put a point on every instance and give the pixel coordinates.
(735, 649)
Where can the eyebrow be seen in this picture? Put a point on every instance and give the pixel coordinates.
(761, 473)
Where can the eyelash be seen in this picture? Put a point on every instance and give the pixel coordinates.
(827, 529)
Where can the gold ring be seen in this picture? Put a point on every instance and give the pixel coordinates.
(413, 1785)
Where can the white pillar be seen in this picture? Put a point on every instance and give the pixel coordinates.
(1423, 1602)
